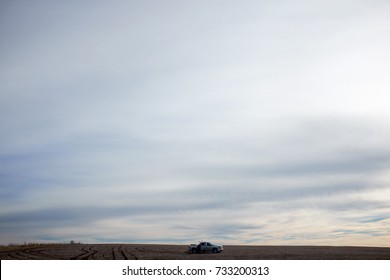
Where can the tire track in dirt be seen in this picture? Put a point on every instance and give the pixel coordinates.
(40, 254)
(37, 253)
(15, 256)
(113, 252)
(9, 254)
(122, 253)
(87, 253)
(25, 255)
(105, 255)
(131, 254)
(91, 255)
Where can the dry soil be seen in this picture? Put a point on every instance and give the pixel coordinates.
(179, 252)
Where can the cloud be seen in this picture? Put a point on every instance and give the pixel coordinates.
(375, 219)
(92, 180)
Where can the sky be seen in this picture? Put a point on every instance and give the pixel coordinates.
(238, 122)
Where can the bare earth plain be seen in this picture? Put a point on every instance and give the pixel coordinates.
(179, 252)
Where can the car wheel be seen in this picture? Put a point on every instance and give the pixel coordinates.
(215, 250)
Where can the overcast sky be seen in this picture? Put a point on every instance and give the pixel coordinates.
(239, 122)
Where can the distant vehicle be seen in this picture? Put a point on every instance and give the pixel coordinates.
(205, 247)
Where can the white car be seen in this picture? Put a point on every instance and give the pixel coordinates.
(205, 247)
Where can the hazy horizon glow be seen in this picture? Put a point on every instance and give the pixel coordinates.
(240, 122)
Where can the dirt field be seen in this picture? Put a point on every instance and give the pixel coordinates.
(179, 252)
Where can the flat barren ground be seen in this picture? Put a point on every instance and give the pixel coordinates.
(179, 252)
